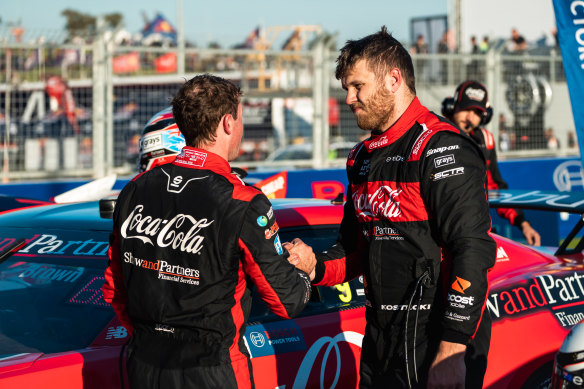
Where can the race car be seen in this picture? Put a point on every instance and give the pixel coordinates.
(56, 331)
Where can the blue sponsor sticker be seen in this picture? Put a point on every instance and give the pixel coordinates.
(274, 338)
(278, 245)
(262, 221)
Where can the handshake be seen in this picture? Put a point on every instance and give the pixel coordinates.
(301, 256)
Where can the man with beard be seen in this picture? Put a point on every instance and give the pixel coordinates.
(470, 110)
(416, 226)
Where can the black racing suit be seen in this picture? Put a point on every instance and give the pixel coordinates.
(416, 225)
(189, 241)
(486, 142)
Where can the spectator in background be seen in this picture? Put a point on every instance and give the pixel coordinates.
(443, 49)
(519, 42)
(474, 47)
(474, 65)
(470, 110)
(571, 140)
(552, 141)
(420, 47)
(484, 45)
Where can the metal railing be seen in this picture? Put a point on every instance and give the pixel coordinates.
(78, 110)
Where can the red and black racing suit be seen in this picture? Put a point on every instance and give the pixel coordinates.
(189, 241)
(416, 225)
(486, 142)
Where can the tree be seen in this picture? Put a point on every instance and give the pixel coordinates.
(80, 24)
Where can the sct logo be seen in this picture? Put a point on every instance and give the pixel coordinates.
(457, 171)
(257, 339)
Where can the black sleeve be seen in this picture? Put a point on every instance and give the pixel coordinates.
(285, 289)
(453, 186)
(343, 261)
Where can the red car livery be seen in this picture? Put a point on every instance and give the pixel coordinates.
(57, 332)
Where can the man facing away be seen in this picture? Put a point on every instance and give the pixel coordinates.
(189, 239)
(416, 226)
(470, 110)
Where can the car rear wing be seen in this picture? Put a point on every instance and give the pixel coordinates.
(571, 202)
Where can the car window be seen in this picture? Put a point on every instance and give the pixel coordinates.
(51, 304)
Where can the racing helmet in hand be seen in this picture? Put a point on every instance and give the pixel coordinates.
(161, 141)
(569, 363)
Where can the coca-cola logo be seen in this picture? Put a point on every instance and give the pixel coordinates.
(182, 232)
(378, 143)
(382, 203)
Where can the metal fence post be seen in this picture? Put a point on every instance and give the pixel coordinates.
(98, 101)
(317, 103)
(109, 106)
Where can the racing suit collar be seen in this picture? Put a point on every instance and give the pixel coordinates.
(196, 158)
(400, 127)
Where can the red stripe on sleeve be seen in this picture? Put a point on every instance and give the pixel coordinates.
(264, 288)
(238, 359)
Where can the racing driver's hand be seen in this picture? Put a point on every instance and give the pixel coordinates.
(448, 370)
(301, 256)
(530, 234)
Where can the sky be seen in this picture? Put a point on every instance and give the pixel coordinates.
(229, 22)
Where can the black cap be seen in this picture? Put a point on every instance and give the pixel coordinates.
(472, 95)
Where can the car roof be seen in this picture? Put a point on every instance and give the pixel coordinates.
(290, 212)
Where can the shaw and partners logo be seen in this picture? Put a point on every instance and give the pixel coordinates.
(561, 294)
(381, 203)
(182, 232)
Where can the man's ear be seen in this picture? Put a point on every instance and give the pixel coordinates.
(227, 121)
(393, 80)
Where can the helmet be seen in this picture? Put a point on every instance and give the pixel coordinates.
(569, 363)
(161, 141)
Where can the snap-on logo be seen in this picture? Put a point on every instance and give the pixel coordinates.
(442, 149)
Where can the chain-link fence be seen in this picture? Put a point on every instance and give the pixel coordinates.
(78, 110)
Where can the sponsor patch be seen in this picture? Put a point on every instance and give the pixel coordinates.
(151, 142)
(404, 307)
(460, 285)
(457, 171)
(386, 233)
(457, 301)
(395, 158)
(273, 230)
(278, 245)
(442, 149)
(444, 160)
(274, 338)
(192, 158)
(364, 168)
(262, 221)
(270, 213)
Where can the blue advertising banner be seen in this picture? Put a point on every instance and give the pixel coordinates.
(570, 23)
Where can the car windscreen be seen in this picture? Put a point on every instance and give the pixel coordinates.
(50, 290)
(50, 305)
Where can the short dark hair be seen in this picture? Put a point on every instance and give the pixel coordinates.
(199, 105)
(382, 52)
